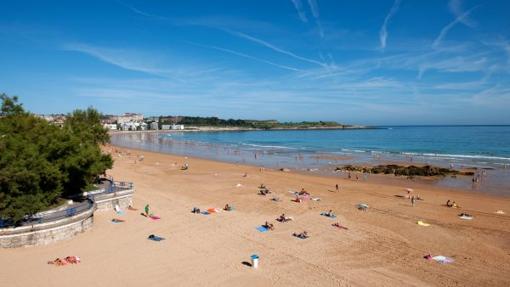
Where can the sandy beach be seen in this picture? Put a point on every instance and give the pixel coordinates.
(383, 246)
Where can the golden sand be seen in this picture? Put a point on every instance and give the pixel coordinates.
(383, 246)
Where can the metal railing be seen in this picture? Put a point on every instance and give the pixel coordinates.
(72, 209)
(51, 216)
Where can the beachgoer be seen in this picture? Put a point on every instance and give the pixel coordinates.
(268, 225)
(73, 259)
(227, 207)
(448, 203)
(413, 200)
(336, 187)
(302, 235)
(196, 210)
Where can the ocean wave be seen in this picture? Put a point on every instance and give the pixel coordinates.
(353, 150)
(432, 155)
(267, 146)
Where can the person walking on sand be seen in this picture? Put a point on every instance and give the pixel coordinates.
(337, 188)
(413, 200)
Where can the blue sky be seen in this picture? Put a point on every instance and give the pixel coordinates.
(366, 62)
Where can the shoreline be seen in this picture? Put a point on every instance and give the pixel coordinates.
(462, 182)
(241, 129)
(375, 179)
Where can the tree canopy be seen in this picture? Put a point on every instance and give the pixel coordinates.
(41, 162)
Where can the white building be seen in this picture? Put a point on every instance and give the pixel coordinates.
(129, 126)
(172, 127)
(110, 126)
(129, 117)
(154, 126)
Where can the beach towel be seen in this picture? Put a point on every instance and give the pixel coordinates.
(213, 210)
(155, 237)
(132, 208)
(262, 229)
(316, 199)
(116, 220)
(500, 212)
(419, 222)
(443, 259)
(204, 213)
(328, 215)
(154, 217)
(466, 217)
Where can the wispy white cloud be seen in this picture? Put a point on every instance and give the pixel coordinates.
(126, 59)
(299, 9)
(274, 48)
(249, 57)
(140, 12)
(456, 8)
(151, 63)
(314, 7)
(383, 32)
(459, 18)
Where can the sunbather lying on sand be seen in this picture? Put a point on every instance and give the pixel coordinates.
(283, 218)
(58, 262)
(303, 192)
(452, 204)
(336, 224)
(268, 225)
(65, 261)
(73, 259)
(329, 213)
(302, 235)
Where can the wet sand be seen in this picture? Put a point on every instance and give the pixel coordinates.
(382, 246)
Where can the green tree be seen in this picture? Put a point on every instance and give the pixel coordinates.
(40, 162)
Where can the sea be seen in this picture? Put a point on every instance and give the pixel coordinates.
(486, 149)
